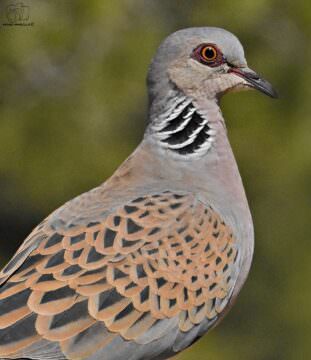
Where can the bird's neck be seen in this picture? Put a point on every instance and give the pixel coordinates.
(213, 175)
(172, 152)
(187, 129)
(187, 138)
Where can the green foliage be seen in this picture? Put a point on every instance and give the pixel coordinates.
(73, 106)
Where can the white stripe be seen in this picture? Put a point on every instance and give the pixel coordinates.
(191, 138)
(187, 119)
(178, 107)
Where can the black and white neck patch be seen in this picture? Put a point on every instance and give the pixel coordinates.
(184, 130)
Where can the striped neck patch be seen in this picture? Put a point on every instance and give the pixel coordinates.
(184, 130)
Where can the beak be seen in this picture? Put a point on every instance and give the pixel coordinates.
(254, 80)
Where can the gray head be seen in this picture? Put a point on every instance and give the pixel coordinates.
(202, 60)
(190, 71)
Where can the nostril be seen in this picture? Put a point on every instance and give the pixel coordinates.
(253, 75)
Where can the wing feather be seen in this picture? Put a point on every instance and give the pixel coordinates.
(160, 264)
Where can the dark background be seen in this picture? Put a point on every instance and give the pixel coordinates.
(73, 107)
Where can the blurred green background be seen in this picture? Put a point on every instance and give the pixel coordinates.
(73, 107)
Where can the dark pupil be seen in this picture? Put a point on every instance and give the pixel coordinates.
(209, 53)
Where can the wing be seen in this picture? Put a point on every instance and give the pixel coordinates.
(161, 264)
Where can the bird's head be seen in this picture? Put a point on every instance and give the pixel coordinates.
(207, 60)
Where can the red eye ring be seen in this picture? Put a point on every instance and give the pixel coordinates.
(208, 54)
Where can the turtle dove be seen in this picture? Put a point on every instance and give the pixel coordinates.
(146, 263)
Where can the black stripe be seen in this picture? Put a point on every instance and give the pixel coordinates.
(94, 256)
(76, 312)
(14, 302)
(178, 120)
(53, 240)
(58, 294)
(125, 312)
(29, 262)
(201, 138)
(56, 259)
(108, 298)
(20, 330)
(184, 134)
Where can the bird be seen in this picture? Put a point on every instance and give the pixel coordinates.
(145, 264)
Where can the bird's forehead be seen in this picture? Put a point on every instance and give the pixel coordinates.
(184, 41)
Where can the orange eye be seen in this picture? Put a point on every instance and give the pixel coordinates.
(209, 53)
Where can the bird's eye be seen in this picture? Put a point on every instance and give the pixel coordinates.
(208, 54)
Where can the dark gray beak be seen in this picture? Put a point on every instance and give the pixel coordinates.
(255, 81)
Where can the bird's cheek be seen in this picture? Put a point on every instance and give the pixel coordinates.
(232, 84)
(186, 79)
(218, 85)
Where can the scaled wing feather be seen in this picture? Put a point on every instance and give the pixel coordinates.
(160, 263)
